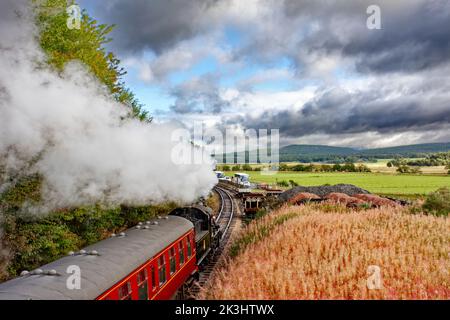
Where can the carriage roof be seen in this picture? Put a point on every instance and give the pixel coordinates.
(117, 257)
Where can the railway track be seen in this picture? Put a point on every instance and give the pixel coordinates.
(225, 220)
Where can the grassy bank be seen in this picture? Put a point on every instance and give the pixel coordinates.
(331, 255)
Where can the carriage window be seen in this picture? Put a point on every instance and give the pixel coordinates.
(153, 277)
(125, 291)
(172, 261)
(162, 270)
(189, 247)
(181, 251)
(142, 285)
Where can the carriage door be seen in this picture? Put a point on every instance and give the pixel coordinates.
(142, 284)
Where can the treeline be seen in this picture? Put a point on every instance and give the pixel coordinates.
(346, 167)
(430, 160)
(238, 167)
(338, 159)
(413, 165)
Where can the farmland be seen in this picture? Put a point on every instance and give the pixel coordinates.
(380, 183)
(307, 252)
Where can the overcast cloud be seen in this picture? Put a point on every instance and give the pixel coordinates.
(311, 68)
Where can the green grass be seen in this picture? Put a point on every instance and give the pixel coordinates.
(387, 184)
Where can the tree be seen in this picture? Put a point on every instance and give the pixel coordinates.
(86, 45)
(236, 167)
(293, 183)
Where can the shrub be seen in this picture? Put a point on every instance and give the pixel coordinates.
(39, 243)
(407, 169)
(437, 203)
(283, 183)
(293, 183)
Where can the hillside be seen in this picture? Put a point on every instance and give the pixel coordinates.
(410, 151)
(322, 153)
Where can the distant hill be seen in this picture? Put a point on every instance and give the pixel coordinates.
(308, 153)
(410, 151)
(320, 153)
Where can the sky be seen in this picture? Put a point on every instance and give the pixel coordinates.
(310, 68)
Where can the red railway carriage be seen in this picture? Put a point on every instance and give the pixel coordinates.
(161, 277)
(151, 261)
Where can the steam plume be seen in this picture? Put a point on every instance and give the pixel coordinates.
(68, 129)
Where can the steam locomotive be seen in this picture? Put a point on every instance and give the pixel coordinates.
(156, 259)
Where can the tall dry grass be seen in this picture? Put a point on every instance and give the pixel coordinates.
(319, 254)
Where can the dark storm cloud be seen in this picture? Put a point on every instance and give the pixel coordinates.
(155, 25)
(338, 112)
(414, 43)
(415, 35)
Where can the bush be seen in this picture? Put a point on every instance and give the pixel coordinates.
(283, 183)
(437, 203)
(39, 243)
(407, 169)
(293, 183)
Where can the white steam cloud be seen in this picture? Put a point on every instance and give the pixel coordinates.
(72, 132)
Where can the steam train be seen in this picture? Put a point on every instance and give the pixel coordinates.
(156, 259)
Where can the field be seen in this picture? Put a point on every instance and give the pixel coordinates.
(307, 252)
(387, 184)
(381, 167)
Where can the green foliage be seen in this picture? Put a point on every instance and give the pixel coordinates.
(26, 189)
(292, 183)
(283, 183)
(35, 244)
(410, 186)
(346, 167)
(34, 241)
(438, 203)
(407, 169)
(430, 160)
(236, 167)
(86, 44)
(363, 168)
(314, 153)
(246, 167)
